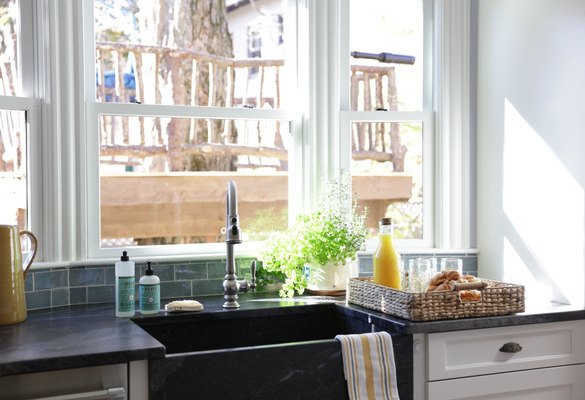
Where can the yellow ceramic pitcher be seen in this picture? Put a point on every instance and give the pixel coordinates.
(12, 274)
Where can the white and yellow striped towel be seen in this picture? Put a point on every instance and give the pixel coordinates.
(368, 364)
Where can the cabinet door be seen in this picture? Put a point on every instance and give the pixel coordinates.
(558, 383)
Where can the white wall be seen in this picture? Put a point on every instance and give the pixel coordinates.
(531, 145)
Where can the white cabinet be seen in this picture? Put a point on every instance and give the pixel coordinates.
(542, 361)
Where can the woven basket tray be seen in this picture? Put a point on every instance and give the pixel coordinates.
(497, 299)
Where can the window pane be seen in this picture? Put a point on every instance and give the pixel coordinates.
(386, 26)
(13, 167)
(157, 187)
(9, 74)
(227, 55)
(387, 174)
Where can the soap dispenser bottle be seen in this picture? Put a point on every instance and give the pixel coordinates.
(149, 292)
(125, 290)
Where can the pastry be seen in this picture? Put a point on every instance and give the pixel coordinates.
(446, 280)
(470, 295)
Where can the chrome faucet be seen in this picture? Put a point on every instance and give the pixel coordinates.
(232, 286)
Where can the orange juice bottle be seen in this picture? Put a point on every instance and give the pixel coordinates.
(386, 258)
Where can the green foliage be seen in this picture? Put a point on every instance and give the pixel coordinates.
(265, 278)
(335, 232)
(267, 220)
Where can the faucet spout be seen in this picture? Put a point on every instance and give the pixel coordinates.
(232, 286)
(233, 234)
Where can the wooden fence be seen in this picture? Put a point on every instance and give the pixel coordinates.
(371, 88)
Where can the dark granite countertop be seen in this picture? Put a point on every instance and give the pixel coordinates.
(87, 335)
(534, 314)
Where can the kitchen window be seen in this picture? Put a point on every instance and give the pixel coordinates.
(20, 157)
(391, 115)
(138, 64)
(105, 87)
(179, 109)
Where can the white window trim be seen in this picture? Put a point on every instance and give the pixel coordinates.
(451, 103)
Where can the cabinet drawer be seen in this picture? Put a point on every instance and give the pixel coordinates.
(77, 383)
(558, 383)
(477, 352)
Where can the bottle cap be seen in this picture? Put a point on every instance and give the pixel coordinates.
(125, 256)
(149, 270)
(386, 221)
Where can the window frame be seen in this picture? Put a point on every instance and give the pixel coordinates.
(93, 109)
(61, 206)
(425, 117)
(25, 101)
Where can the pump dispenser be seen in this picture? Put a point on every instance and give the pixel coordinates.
(149, 291)
(125, 291)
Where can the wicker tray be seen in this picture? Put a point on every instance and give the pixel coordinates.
(498, 298)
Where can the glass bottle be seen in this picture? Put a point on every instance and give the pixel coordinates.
(386, 258)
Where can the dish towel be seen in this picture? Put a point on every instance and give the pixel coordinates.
(368, 365)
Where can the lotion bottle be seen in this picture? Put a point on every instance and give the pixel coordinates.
(125, 291)
(149, 292)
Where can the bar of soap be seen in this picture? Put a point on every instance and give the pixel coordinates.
(184, 305)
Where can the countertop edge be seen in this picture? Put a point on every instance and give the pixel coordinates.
(90, 335)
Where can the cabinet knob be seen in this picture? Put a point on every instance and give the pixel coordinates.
(511, 347)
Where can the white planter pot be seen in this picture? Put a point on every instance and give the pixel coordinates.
(330, 277)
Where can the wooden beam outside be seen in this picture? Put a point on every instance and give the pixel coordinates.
(193, 203)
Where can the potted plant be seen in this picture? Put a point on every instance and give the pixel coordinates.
(319, 250)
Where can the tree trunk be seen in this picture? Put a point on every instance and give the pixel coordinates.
(197, 25)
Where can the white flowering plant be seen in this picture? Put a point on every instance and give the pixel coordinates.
(334, 232)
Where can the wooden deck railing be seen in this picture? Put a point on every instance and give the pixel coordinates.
(371, 88)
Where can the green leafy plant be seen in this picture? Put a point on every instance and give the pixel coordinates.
(334, 232)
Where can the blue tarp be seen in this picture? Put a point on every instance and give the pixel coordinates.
(110, 78)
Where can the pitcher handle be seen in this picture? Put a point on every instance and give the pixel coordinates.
(32, 253)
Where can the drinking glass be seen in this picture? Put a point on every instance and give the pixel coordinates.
(420, 274)
(405, 273)
(452, 264)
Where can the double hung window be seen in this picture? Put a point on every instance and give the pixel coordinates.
(388, 115)
(185, 101)
(19, 151)
(124, 120)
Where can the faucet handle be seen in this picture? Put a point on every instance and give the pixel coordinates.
(253, 280)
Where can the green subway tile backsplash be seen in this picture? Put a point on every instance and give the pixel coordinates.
(190, 271)
(53, 287)
(78, 295)
(51, 279)
(86, 277)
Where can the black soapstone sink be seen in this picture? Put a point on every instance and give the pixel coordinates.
(183, 333)
(262, 354)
